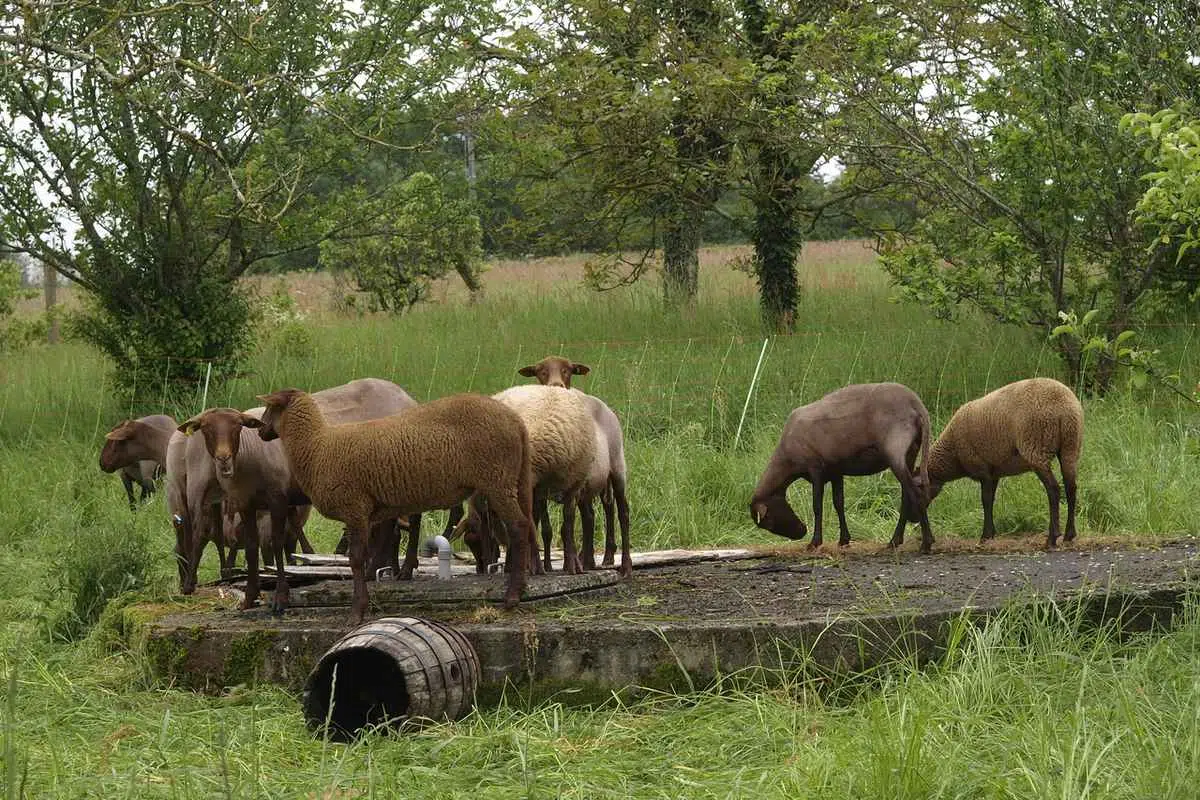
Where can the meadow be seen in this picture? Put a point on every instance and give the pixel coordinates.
(1025, 707)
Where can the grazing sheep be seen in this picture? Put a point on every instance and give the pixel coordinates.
(196, 491)
(138, 448)
(562, 438)
(431, 456)
(607, 479)
(1020, 427)
(860, 429)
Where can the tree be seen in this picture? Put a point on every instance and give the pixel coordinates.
(153, 153)
(426, 236)
(1170, 207)
(1002, 124)
(612, 129)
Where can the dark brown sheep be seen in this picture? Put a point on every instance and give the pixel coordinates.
(860, 429)
(431, 456)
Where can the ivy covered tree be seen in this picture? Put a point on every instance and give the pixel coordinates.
(153, 153)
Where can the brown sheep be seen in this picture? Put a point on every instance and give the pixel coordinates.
(195, 491)
(859, 429)
(138, 448)
(1020, 427)
(434, 455)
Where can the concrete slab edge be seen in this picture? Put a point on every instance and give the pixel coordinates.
(589, 663)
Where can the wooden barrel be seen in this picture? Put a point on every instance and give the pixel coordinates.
(394, 671)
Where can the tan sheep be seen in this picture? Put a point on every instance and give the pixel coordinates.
(431, 456)
(1017, 428)
(607, 479)
(563, 441)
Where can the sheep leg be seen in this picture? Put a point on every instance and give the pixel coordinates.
(279, 522)
(540, 565)
(250, 545)
(456, 514)
(618, 496)
(818, 491)
(1052, 495)
(839, 505)
(987, 495)
(357, 532)
(547, 531)
(519, 524)
(610, 529)
(128, 481)
(297, 527)
(572, 565)
(410, 556)
(183, 538)
(1068, 472)
(147, 490)
(587, 519)
(911, 504)
(343, 545)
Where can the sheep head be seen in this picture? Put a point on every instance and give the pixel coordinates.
(554, 371)
(222, 429)
(276, 403)
(775, 515)
(926, 490)
(115, 453)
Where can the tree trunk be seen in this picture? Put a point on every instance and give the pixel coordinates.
(681, 260)
(778, 238)
(50, 293)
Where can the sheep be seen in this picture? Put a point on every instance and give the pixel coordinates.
(196, 492)
(253, 476)
(204, 515)
(554, 371)
(1020, 427)
(138, 448)
(563, 441)
(434, 455)
(607, 480)
(859, 429)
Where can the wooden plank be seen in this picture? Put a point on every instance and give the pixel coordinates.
(427, 588)
(640, 559)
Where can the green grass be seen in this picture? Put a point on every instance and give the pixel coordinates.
(1024, 708)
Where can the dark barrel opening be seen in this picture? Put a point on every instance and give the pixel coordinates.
(369, 690)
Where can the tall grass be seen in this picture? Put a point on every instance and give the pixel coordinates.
(1021, 708)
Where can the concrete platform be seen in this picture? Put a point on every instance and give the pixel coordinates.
(681, 623)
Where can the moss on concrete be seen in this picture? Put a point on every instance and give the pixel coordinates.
(246, 656)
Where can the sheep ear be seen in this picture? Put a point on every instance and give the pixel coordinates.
(580, 369)
(189, 427)
(528, 372)
(122, 431)
(280, 398)
(251, 422)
